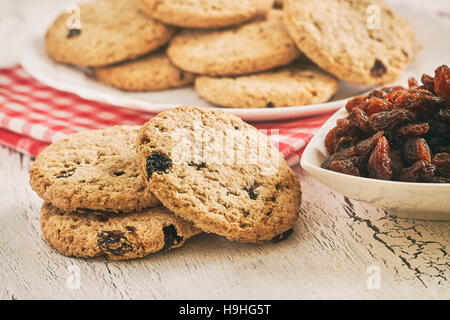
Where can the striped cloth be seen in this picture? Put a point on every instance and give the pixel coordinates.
(33, 115)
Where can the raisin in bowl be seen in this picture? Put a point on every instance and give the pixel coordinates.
(390, 148)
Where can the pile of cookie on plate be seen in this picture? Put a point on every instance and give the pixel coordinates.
(128, 191)
(240, 54)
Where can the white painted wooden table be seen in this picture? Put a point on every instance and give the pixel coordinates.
(337, 251)
(338, 248)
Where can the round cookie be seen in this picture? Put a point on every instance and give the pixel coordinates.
(204, 13)
(149, 73)
(256, 46)
(119, 236)
(344, 38)
(295, 85)
(213, 169)
(110, 31)
(92, 170)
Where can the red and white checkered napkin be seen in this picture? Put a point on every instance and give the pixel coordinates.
(33, 115)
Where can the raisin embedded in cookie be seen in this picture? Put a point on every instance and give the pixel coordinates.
(261, 44)
(214, 170)
(363, 42)
(295, 85)
(92, 170)
(118, 236)
(109, 32)
(150, 73)
(204, 13)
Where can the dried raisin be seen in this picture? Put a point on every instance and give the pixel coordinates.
(395, 141)
(251, 191)
(282, 236)
(420, 101)
(428, 82)
(158, 163)
(171, 237)
(359, 119)
(345, 166)
(356, 102)
(341, 155)
(375, 105)
(412, 83)
(413, 129)
(442, 83)
(343, 128)
(388, 120)
(416, 149)
(420, 171)
(114, 242)
(380, 163)
(378, 69)
(73, 33)
(442, 163)
(365, 147)
(382, 94)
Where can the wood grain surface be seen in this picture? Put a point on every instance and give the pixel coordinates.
(339, 250)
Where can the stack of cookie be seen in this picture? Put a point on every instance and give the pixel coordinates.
(242, 54)
(96, 201)
(128, 191)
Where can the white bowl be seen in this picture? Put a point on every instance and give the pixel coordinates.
(427, 201)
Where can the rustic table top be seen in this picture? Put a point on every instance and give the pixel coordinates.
(340, 249)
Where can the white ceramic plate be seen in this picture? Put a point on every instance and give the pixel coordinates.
(77, 80)
(430, 30)
(429, 201)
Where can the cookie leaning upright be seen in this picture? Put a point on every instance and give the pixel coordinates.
(204, 13)
(92, 170)
(149, 73)
(214, 170)
(119, 236)
(344, 39)
(261, 44)
(110, 31)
